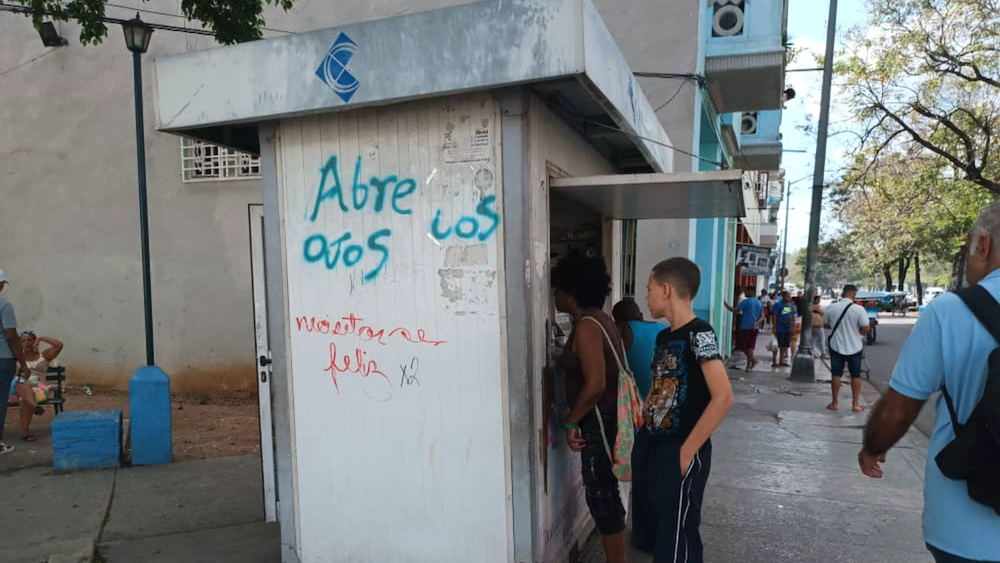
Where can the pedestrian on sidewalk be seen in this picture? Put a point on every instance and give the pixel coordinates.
(818, 332)
(784, 325)
(948, 349)
(29, 393)
(766, 302)
(639, 337)
(689, 397)
(11, 357)
(582, 285)
(848, 324)
(751, 312)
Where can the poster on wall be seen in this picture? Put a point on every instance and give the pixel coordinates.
(755, 260)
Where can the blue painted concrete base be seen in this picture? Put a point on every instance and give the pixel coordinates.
(149, 408)
(87, 439)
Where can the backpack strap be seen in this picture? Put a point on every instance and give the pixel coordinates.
(951, 409)
(621, 367)
(987, 310)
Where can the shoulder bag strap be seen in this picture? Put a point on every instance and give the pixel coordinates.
(840, 320)
(984, 306)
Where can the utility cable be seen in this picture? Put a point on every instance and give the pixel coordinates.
(28, 62)
(655, 142)
(168, 14)
(29, 10)
(667, 103)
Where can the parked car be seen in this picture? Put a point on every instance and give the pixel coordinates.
(932, 293)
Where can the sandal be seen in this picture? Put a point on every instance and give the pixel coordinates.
(29, 438)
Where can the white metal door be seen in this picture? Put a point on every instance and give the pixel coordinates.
(263, 355)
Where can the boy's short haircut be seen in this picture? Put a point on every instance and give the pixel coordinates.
(681, 273)
(626, 310)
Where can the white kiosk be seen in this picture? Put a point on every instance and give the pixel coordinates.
(420, 173)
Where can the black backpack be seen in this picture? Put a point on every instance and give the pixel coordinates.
(974, 455)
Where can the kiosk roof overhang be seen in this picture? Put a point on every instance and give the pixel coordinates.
(658, 196)
(559, 48)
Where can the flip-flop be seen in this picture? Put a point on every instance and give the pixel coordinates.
(858, 408)
(832, 407)
(29, 438)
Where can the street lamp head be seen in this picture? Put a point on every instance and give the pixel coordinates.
(137, 34)
(50, 36)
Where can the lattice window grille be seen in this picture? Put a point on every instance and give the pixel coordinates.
(201, 161)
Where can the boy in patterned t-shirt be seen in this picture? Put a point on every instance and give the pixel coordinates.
(689, 397)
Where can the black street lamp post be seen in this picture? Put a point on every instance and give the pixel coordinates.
(137, 36)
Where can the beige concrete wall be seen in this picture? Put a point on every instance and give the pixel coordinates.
(68, 203)
(69, 211)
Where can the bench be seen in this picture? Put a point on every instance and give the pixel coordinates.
(56, 375)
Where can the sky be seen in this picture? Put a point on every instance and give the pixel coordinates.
(807, 28)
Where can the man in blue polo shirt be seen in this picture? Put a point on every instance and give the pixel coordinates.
(784, 325)
(950, 347)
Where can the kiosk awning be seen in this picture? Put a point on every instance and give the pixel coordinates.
(658, 196)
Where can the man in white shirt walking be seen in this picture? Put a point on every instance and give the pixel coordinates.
(848, 323)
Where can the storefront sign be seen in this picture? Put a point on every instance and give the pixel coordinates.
(755, 260)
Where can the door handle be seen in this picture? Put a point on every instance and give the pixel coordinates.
(264, 361)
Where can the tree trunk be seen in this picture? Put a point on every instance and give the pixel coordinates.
(916, 271)
(958, 268)
(887, 273)
(904, 267)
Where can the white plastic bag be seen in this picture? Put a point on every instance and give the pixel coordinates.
(772, 344)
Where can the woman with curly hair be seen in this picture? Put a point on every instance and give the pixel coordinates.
(27, 394)
(582, 285)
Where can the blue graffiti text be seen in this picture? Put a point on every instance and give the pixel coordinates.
(469, 226)
(319, 248)
(377, 190)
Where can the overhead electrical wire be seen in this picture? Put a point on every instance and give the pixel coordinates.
(654, 141)
(28, 62)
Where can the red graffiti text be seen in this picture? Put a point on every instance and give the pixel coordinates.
(356, 363)
(355, 325)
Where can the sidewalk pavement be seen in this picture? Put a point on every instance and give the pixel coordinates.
(205, 511)
(785, 484)
(784, 487)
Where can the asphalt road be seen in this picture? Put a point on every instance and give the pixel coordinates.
(881, 356)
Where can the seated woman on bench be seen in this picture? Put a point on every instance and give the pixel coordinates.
(33, 391)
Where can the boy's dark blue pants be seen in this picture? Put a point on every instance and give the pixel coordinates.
(666, 505)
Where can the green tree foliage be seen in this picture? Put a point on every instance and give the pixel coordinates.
(897, 205)
(924, 78)
(233, 21)
(837, 263)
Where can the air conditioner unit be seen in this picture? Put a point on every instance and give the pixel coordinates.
(728, 17)
(748, 123)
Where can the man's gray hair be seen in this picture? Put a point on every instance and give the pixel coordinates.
(988, 225)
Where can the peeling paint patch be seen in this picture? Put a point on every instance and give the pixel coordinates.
(466, 255)
(451, 284)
